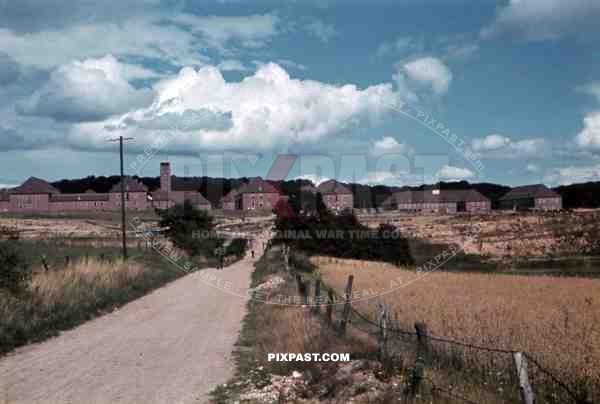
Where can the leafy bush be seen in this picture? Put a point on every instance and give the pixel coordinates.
(190, 229)
(324, 233)
(15, 273)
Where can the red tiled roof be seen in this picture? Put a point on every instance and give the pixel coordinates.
(444, 196)
(35, 185)
(530, 191)
(333, 187)
(131, 185)
(259, 186)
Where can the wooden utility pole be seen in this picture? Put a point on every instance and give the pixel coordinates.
(123, 218)
(123, 214)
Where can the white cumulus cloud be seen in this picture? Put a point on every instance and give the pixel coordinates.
(500, 146)
(573, 174)
(388, 144)
(589, 137)
(87, 90)
(538, 20)
(428, 73)
(262, 111)
(455, 173)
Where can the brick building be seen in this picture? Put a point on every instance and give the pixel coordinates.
(228, 201)
(4, 200)
(336, 196)
(256, 195)
(169, 194)
(37, 196)
(438, 201)
(533, 197)
(31, 196)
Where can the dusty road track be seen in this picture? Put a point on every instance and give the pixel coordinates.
(171, 346)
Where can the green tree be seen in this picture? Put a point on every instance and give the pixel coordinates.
(190, 229)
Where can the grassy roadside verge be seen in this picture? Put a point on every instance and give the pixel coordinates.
(276, 328)
(61, 299)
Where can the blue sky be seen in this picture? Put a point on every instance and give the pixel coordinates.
(355, 88)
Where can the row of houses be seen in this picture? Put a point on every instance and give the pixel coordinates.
(529, 197)
(37, 195)
(259, 194)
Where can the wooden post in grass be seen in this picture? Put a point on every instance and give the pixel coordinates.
(299, 283)
(330, 306)
(417, 375)
(347, 305)
(527, 394)
(44, 263)
(303, 288)
(305, 292)
(422, 339)
(317, 306)
(383, 326)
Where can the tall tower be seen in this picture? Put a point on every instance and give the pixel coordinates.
(165, 176)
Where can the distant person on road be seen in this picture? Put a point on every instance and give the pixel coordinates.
(220, 257)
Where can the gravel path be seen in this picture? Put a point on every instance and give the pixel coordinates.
(171, 346)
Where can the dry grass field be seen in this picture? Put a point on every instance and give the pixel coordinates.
(43, 228)
(557, 320)
(523, 234)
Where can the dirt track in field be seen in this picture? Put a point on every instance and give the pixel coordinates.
(171, 346)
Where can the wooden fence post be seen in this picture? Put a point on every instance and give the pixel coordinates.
(527, 394)
(383, 326)
(422, 339)
(330, 306)
(44, 263)
(347, 305)
(317, 307)
(303, 288)
(306, 292)
(417, 375)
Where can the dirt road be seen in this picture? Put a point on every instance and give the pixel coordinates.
(171, 346)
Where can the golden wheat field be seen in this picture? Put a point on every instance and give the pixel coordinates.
(555, 319)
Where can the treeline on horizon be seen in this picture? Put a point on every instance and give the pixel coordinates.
(584, 195)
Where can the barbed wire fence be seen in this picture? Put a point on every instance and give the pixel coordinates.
(459, 371)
